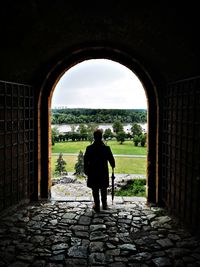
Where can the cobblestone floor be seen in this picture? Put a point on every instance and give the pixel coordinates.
(70, 234)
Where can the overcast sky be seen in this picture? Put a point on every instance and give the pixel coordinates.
(99, 83)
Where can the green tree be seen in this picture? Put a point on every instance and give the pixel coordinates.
(143, 138)
(117, 126)
(79, 166)
(71, 116)
(54, 134)
(82, 129)
(136, 129)
(107, 134)
(60, 165)
(136, 140)
(121, 137)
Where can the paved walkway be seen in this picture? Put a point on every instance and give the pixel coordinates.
(115, 155)
(70, 234)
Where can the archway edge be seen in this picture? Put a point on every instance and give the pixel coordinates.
(72, 58)
(75, 56)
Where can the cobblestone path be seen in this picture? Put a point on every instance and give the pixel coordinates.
(71, 234)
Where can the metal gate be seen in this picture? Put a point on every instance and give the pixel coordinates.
(181, 150)
(16, 143)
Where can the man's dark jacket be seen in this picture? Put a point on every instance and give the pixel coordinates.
(96, 160)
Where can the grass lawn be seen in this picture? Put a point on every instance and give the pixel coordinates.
(126, 148)
(123, 164)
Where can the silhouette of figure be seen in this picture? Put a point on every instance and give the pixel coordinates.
(96, 158)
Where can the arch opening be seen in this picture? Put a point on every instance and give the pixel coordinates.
(97, 93)
(45, 107)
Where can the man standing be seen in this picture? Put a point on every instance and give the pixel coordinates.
(96, 158)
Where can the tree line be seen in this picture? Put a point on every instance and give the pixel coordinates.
(85, 133)
(84, 115)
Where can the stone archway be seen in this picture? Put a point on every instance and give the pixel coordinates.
(73, 58)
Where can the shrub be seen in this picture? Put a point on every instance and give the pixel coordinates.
(135, 187)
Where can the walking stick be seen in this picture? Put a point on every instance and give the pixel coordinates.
(113, 186)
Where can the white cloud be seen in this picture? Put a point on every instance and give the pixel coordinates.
(99, 84)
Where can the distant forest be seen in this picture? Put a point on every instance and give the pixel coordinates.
(84, 115)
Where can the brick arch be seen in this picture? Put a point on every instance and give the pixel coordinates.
(77, 56)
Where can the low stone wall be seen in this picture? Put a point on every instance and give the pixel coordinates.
(71, 185)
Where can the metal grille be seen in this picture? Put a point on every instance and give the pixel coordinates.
(16, 143)
(181, 150)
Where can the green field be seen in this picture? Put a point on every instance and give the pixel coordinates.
(125, 165)
(126, 148)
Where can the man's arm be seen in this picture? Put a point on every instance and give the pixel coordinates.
(85, 159)
(111, 158)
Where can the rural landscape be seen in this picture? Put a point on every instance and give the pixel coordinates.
(123, 130)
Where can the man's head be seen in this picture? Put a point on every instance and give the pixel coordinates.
(97, 135)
